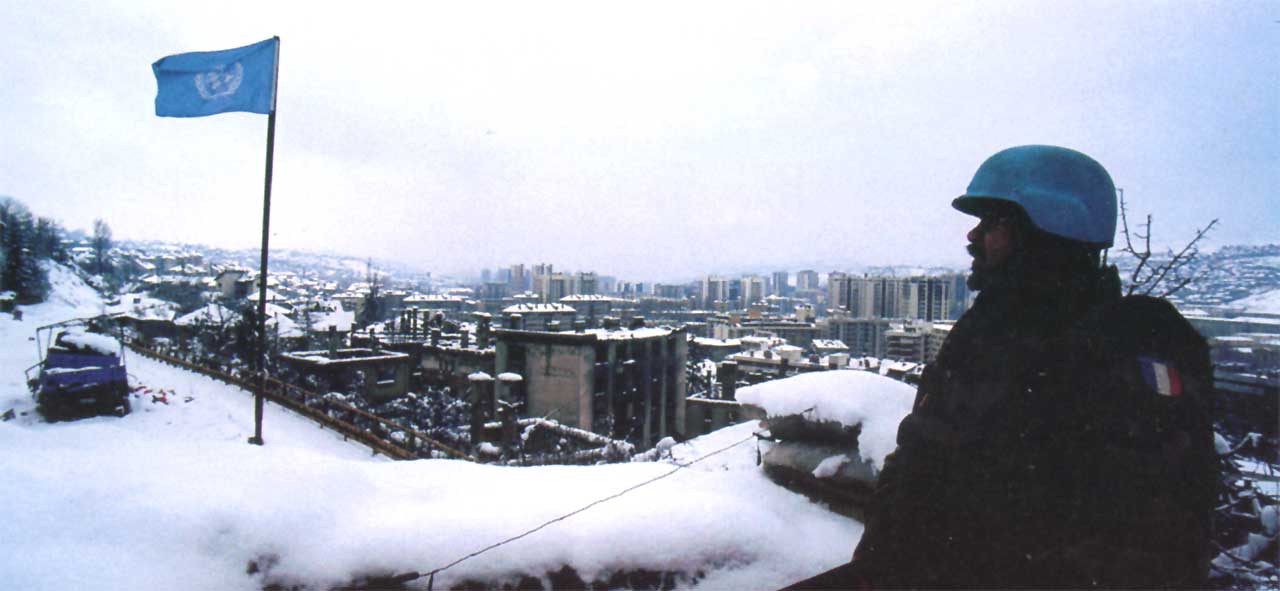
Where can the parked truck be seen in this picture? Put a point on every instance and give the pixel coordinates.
(81, 372)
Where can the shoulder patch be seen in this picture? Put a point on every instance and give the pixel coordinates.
(1161, 376)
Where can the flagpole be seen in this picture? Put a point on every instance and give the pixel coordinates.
(261, 357)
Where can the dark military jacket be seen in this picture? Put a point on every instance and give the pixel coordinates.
(1060, 439)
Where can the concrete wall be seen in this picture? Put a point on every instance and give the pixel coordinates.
(704, 416)
(559, 379)
(388, 389)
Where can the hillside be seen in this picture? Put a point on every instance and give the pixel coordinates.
(1227, 277)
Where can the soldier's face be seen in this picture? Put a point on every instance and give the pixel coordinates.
(991, 242)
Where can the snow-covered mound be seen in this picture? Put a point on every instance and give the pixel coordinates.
(69, 297)
(847, 397)
(172, 497)
(1267, 302)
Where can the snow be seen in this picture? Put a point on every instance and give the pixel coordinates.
(635, 333)
(710, 342)
(216, 314)
(69, 297)
(1267, 302)
(98, 343)
(1220, 444)
(172, 497)
(538, 308)
(57, 371)
(340, 320)
(830, 466)
(1270, 518)
(144, 307)
(847, 397)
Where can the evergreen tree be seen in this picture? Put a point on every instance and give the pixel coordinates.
(48, 240)
(22, 272)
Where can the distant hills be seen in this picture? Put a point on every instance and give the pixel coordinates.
(1224, 276)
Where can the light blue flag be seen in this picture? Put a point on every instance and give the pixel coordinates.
(211, 82)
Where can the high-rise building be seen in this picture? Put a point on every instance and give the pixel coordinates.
(714, 291)
(752, 290)
(781, 285)
(838, 285)
(914, 298)
(517, 282)
(806, 280)
(586, 283)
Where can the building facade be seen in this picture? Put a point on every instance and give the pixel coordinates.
(624, 384)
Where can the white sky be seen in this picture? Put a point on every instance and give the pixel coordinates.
(652, 141)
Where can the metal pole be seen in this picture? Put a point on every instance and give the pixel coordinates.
(260, 364)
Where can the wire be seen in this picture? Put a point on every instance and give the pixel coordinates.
(406, 577)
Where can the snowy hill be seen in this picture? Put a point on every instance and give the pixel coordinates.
(1224, 276)
(171, 496)
(1267, 302)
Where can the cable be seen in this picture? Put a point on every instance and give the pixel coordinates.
(406, 577)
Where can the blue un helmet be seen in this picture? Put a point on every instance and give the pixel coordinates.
(1062, 191)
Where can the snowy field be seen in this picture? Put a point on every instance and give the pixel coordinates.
(1267, 302)
(171, 497)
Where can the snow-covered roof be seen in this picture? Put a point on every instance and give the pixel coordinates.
(322, 357)
(434, 299)
(209, 314)
(897, 366)
(144, 307)
(286, 326)
(709, 342)
(539, 309)
(580, 297)
(339, 319)
(626, 334)
(272, 296)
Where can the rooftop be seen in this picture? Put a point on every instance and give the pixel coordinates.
(538, 309)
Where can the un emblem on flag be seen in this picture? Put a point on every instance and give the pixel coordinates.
(221, 81)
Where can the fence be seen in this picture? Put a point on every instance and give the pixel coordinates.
(383, 436)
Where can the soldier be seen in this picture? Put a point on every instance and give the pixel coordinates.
(1061, 438)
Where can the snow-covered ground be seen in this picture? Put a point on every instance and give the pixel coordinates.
(1267, 302)
(171, 496)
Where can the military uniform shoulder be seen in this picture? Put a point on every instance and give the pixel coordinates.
(1138, 321)
(1148, 335)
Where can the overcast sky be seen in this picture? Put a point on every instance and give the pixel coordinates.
(651, 141)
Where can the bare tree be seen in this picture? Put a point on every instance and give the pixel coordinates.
(101, 244)
(373, 308)
(1163, 276)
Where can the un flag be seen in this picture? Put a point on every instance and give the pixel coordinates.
(211, 82)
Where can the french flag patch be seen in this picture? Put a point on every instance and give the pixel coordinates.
(1162, 377)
